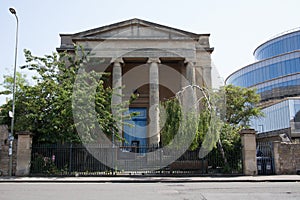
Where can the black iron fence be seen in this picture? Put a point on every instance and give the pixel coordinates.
(97, 160)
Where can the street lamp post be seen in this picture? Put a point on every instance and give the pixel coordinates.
(10, 137)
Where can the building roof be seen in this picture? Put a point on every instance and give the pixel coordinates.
(134, 22)
(131, 29)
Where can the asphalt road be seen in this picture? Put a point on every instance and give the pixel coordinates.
(150, 191)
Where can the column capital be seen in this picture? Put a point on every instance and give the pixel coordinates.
(153, 60)
(117, 60)
(189, 61)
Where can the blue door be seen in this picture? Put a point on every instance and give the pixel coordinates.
(136, 135)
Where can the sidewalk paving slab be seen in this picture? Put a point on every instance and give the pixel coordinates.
(147, 179)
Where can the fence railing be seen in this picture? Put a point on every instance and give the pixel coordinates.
(95, 160)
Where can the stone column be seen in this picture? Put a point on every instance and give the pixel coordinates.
(248, 138)
(153, 133)
(183, 80)
(24, 153)
(117, 92)
(190, 72)
(190, 94)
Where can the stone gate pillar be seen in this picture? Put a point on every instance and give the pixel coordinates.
(248, 138)
(4, 151)
(276, 145)
(24, 153)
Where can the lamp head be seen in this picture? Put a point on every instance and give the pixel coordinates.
(12, 11)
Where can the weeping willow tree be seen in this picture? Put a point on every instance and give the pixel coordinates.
(200, 122)
(172, 117)
(220, 117)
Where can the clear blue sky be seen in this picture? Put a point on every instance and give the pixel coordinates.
(237, 27)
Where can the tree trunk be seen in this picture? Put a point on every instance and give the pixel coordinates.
(220, 147)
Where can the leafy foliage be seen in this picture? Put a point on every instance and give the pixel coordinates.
(45, 108)
(171, 117)
(7, 84)
(241, 106)
(197, 125)
(219, 125)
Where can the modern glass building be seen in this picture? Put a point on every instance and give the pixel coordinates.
(282, 117)
(276, 76)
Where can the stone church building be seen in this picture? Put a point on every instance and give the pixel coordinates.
(148, 59)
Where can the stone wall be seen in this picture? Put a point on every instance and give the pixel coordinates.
(273, 136)
(4, 158)
(286, 158)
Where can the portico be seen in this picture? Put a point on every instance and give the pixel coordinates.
(148, 59)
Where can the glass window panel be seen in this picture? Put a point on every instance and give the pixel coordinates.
(261, 75)
(292, 65)
(297, 65)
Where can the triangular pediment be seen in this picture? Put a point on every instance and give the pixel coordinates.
(135, 29)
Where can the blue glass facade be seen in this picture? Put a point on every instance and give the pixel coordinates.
(280, 45)
(266, 70)
(284, 114)
(291, 80)
(278, 67)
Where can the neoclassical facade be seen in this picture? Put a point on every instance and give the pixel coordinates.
(148, 59)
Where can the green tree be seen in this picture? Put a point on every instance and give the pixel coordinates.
(241, 106)
(171, 118)
(46, 107)
(8, 83)
(204, 124)
(219, 121)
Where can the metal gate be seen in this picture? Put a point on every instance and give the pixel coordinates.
(265, 158)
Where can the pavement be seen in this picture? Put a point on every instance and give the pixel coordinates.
(150, 179)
